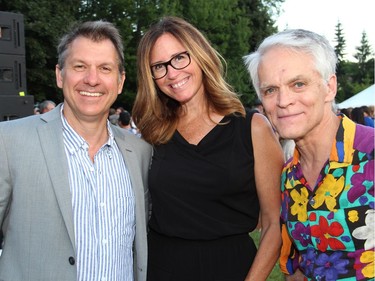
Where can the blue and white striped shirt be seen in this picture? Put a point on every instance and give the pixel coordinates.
(103, 209)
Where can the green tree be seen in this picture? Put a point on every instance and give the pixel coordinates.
(343, 82)
(226, 25)
(234, 27)
(122, 13)
(260, 23)
(340, 42)
(365, 71)
(354, 77)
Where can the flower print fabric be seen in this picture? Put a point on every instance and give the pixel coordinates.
(328, 230)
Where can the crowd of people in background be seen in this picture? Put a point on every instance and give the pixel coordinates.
(122, 118)
(363, 115)
(44, 106)
(117, 116)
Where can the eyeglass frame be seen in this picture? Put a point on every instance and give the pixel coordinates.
(165, 64)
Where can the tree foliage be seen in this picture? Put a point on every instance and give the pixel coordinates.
(363, 54)
(341, 42)
(353, 77)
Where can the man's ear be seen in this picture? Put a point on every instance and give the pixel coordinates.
(121, 82)
(59, 78)
(332, 88)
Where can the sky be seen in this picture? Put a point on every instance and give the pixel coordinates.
(322, 16)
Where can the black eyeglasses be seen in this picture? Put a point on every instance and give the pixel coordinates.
(179, 61)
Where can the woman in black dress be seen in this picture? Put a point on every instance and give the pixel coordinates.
(216, 166)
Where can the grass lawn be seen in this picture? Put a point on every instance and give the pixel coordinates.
(276, 274)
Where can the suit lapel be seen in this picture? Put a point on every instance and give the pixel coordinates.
(133, 166)
(52, 144)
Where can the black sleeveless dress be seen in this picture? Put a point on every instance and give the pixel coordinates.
(204, 204)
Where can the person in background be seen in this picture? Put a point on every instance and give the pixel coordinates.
(328, 186)
(215, 165)
(371, 111)
(124, 122)
(119, 110)
(357, 115)
(369, 121)
(346, 111)
(113, 116)
(74, 196)
(46, 106)
(36, 110)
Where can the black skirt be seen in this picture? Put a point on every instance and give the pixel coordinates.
(175, 259)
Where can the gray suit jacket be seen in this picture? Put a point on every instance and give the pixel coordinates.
(35, 202)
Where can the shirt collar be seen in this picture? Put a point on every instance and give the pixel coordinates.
(74, 141)
(343, 146)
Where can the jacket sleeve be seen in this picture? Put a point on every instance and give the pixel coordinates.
(5, 186)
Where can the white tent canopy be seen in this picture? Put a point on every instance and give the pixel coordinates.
(365, 97)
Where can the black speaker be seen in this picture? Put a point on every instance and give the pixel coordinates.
(12, 54)
(12, 36)
(12, 75)
(14, 107)
(14, 102)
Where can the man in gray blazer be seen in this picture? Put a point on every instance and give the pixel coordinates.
(73, 188)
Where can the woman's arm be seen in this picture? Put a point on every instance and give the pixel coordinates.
(269, 160)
